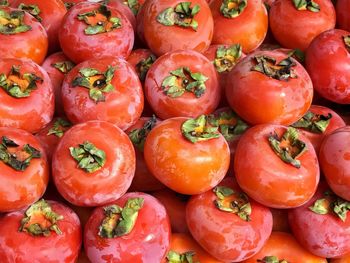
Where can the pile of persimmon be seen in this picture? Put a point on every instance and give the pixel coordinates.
(174, 131)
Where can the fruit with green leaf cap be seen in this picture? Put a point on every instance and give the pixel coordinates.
(182, 84)
(285, 89)
(322, 225)
(227, 223)
(291, 20)
(282, 171)
(96, 160)
(188, 155)
(136, 222)
(47, 231)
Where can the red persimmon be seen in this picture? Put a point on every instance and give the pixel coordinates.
(24, 169)
(182, 84)
(47, 231)
(284, 88)
(93, 164)
(282, 171)
(135, 228)
(141, 60)
(26, 95)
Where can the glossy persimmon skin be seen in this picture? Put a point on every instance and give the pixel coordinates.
(143, 180)
(22, 188)
(334, 159)
(185, 167)
(123, 106)
(162, 39)
(29, 113)
(182, 243)
(52, 13)
(186, 105)
(283, 101)
(225, 235)
(32, 44)
(334, 123)
(269, 180)
(148, 241)
(284, 246)
(343, 19)
(16, 246)
(104, 185)
(248, 29)
(80, 47)
(323, 235)
(296, 29)
(175, 206)
(56, 77)
(327, 61)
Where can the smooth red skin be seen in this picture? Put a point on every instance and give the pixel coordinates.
(335, 122)
(248, 29)
(185, 167)
(323, 235)
(16, 246)
(269, 180)
(186, 105)
(104, 185)
(284, 246)
(123, 106)
(284, 102)
(280, 220)
(296, 29)
(48, 142)
(30, 113)
(21, 188)
(148, 241)
(343, 19)
(125, 10)
(56, 77)
(175, 206)
(334, 159)
(52, 13)
(80, 47)
(32, 44)
(224, 235)
(162, 39)
(143, 180)
(328, 63)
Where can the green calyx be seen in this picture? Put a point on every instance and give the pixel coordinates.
(174, 257)
(272, 259)
(315, 123)
(63, 66)
(229, 123)
(297, 54)
(138, 136)
(144, 65)
(120, 221)
(182, 15)
(232, 8)
(17, 85)
(4, 3)
(16, 158)
(99, 21)
(39, 220)
(69, 5)
(231, 201)
(331, 203)
(183, 80)
(12, 22)
(34, 10)
(226, 58)
(268, 66)
(346, 40)
(59, 127)
(303, 5)
(288, 148)
(134, 5)
(89, 158)
(98, 83)
(199, 129)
